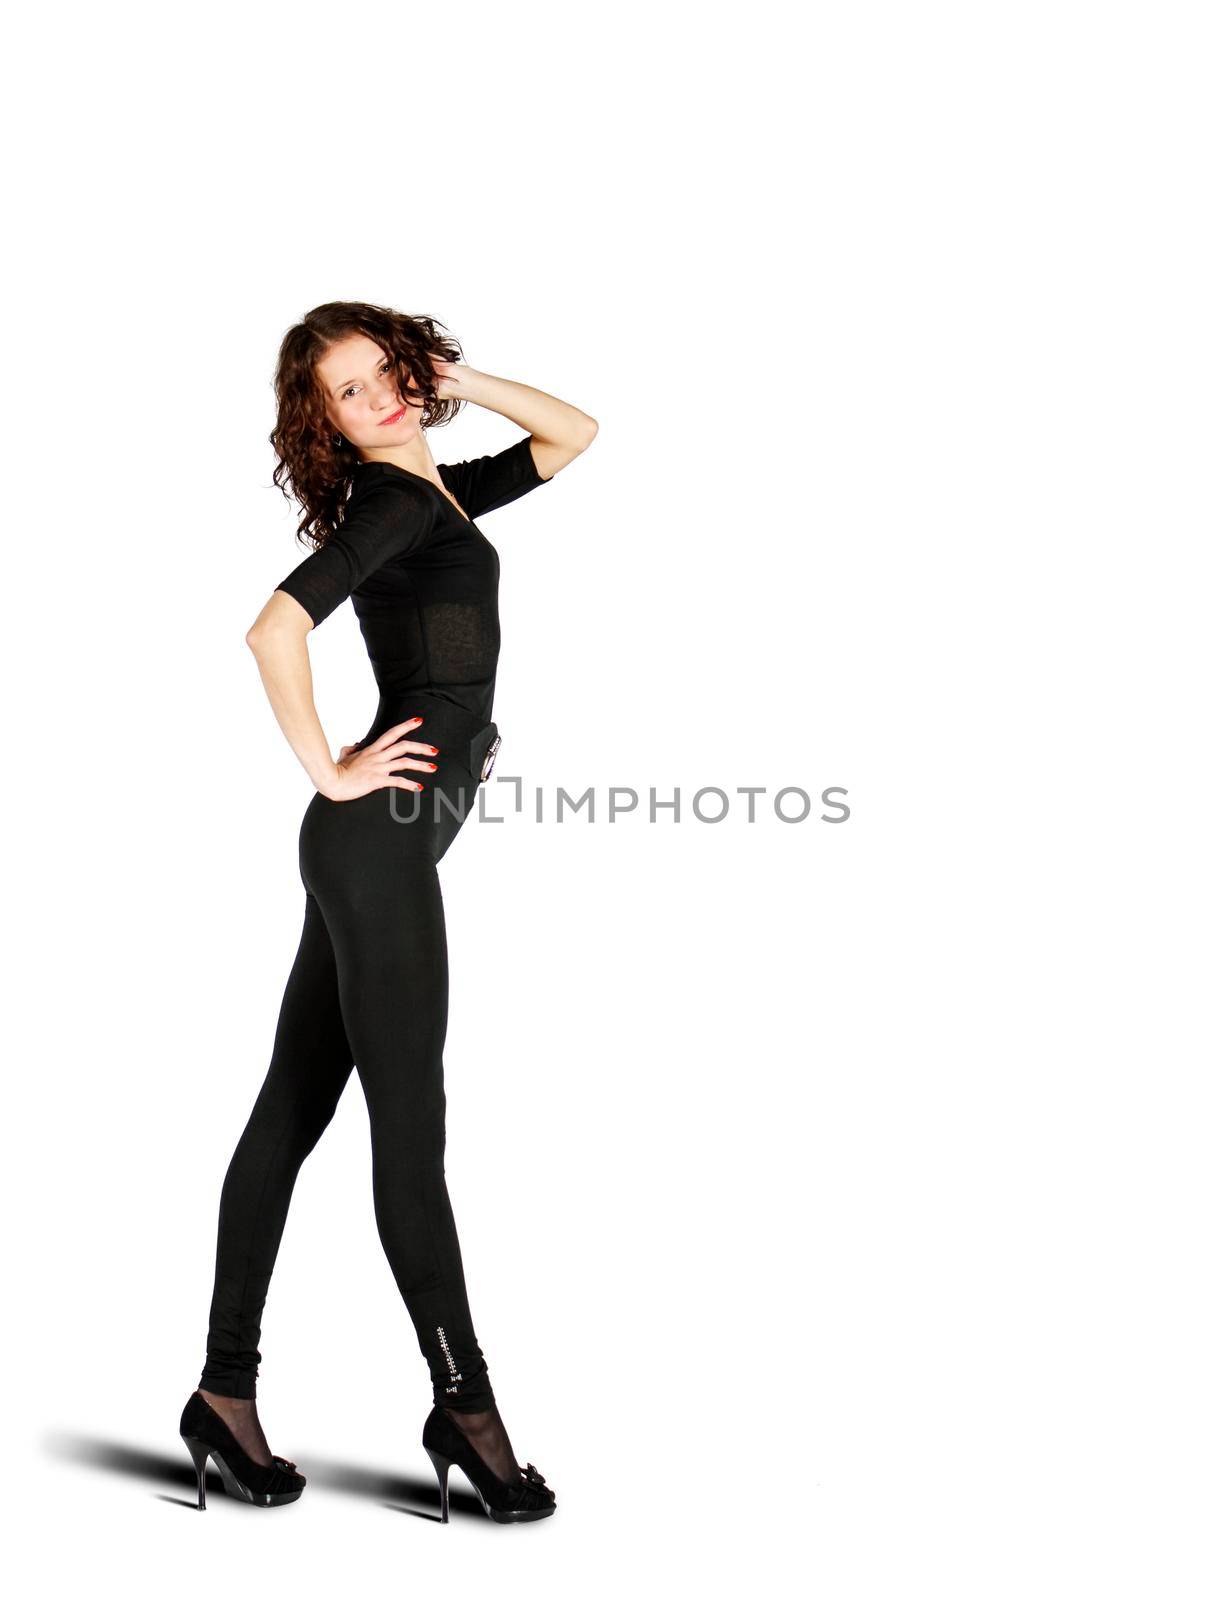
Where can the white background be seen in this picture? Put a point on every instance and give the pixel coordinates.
(844, 1207)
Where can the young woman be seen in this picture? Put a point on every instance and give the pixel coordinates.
(357, 386)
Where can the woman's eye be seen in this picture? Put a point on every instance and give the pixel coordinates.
(385, 367)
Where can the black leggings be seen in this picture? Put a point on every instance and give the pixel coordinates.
(369, 988)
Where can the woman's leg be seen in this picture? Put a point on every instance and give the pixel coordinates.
(388, 933)
(371, 863)
(311, 1063)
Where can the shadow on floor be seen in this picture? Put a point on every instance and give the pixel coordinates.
(397, 1491)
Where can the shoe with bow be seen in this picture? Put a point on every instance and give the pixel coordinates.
(206, 1434)
(524, 1500)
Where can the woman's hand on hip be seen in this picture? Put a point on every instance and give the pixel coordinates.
(378, 765)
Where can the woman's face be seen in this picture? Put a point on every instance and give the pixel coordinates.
(361, 395)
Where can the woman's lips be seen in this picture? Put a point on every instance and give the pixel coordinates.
(396, 417)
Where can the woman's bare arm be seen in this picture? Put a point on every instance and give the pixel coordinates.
(558, 431)
(279, 641)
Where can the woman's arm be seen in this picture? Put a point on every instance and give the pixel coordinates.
(559, 432)
(389, 521)
(279, 641)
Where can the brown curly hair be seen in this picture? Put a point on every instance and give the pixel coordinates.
(317, 471)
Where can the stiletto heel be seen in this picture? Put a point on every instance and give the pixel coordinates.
(206, 1434)
(524, 1500)
(442, 1464)
(199, 1451)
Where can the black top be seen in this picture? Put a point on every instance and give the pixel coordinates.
(421, 577)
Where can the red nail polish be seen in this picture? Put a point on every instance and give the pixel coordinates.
(433, 749)
(431, 766)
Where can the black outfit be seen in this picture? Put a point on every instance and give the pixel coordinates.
(369, 985)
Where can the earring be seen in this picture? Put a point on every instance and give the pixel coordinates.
(337, 441)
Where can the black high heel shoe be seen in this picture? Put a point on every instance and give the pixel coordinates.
(447, 1446)
(206, 1434)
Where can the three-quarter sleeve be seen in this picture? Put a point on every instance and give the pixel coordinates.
(388, 522)
(489, 481)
